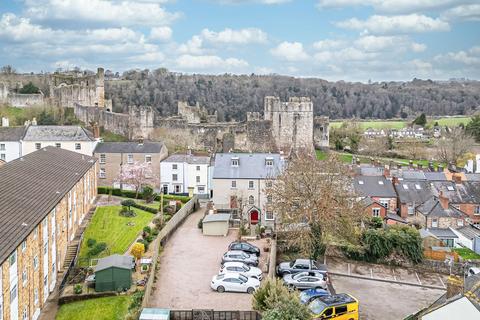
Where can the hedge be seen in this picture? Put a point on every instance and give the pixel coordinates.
(144, 208)
(132, 194)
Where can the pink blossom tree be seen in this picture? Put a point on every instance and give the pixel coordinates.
(137, 174)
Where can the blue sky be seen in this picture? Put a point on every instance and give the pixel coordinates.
(352, 40)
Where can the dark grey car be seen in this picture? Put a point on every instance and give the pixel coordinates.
(301, 265)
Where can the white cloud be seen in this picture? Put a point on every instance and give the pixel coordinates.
(395, 6)
(377, 24)
(469, 12)
(253, 1)
(210, 62)
(328, 44)
(418, 47)
(469, 57)
(230, 36)
(161, 33)
(118, 13)
(192, 46)
(290, 51)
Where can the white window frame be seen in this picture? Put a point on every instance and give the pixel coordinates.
(24, 245)
(197, 179)
(174, 166)
(2, 146)
(251, 200)
(233, 184)
(148, 158)
(174, 177)
(198, 168)
(267, 213)
(434, 223)
(38, 146)
(376, 212)
(251, 184)
(476, 210)
(78, 146)
(58, 145)
(35, 263)
(35, 296)
(102, 174)
(103, 158)
(24, 277)
(3, 156)
(130, 158)
(235, 162)
(411, 210)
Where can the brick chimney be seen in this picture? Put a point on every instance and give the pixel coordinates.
(443, 200)
(410, 164)
(386, 171)
(457, 178)
(5, 122)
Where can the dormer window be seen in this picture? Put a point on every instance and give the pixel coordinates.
(269, 162)
(380, 182)
(235, 162)
(360, 181)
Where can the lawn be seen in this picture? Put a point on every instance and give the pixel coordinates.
(399, 124)
(109, 227)
(107, 308)
(466, 253)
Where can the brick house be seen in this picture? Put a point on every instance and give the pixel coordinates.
(44, 197)
(113, 156)
(379, 189)
(411, 194)
(438, 213)
(374, 208)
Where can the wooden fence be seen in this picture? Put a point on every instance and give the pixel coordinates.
(213, 315)
(439, 255)
(162, 238)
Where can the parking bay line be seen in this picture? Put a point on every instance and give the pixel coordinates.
(388, 281)
(420, 282)
(443, 284)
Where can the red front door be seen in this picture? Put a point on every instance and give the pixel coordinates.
(254, 217)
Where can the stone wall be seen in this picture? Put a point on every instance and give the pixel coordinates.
(25, 100)
(321, 132)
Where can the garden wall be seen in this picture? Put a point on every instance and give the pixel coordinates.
(162, 238)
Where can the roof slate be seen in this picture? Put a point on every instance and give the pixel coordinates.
(129, 147)
(374, 187)
(57, 133)
(416, 192)
(186, 158)
(251, 166)
(115, 260)
(442, 233)
(31, 187)
(11, 133)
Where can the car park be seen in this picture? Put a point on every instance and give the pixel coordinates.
(245, 247)
(234, 282)
(240, 267)
(240, 256)
(301, 265)
(309, 295)
(305, 280)
(339, 306)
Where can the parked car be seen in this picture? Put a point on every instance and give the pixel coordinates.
(309, 295)
(472, 271)
(234, 282)
(305, 280)
(245, 247)
(301, 265)
(240, 267)
(339, 306)
(240, 256)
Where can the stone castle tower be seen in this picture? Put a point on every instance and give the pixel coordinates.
(292, 123)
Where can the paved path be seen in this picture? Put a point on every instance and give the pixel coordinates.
(187, 265)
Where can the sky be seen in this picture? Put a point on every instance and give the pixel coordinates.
(351, 40)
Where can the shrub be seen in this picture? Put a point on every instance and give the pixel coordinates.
(98, 248)
(132, 194)
(148, 238)
(138, 249)
(148, 194)
(91, 242)
(147, 229)
(77, 289)
(144, 208)
(159, 223)
(128, 203)
(376, 222)
(137, 299)
(155, 231)
(144, 242)
(125, 212)
(167, 218)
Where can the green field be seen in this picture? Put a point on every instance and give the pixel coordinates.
(108, 308)
(116, 231)
(399, 124)
(466, 253)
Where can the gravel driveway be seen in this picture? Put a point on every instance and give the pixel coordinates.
(187, 265)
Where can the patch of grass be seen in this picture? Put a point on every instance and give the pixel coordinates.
(109, 227)
(153, 204)
(109, 136)
(321, 155)
(107, 308)
(451, 121)
(466, 253)
(346, 157)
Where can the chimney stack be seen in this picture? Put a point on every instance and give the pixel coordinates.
(96, 130)
(440, 168)
(34, 121)
(410, 164)
(5, 122)
(430, 165)
(420, 167)
(372, 161)
(443, 200)
(457, 178)
(386, 171)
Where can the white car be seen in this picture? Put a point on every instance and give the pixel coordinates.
(240, 256)
(234, 282)
(472, 271)
(240, 267)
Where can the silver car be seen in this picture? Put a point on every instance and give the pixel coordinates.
(240, 256)
(240, 267)
(305, 280)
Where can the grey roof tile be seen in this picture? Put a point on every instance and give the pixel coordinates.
(115, 260)
(31, 187)
(252, 166)
(372, 186)
(11, 133)
(57, 133)
(186, 158)
(129, 147)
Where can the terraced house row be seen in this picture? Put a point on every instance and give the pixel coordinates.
(44, 197)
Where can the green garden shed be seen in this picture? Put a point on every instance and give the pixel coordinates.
(114, 273)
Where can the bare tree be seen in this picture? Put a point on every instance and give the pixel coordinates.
(8, 69)
(413, 148)
(314, 201)
(454, 145)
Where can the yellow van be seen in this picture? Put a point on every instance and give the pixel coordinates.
(339, 307)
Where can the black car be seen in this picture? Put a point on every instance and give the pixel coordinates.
(245, 247)
(301, 265)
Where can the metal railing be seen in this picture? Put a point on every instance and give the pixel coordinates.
(196, 314)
